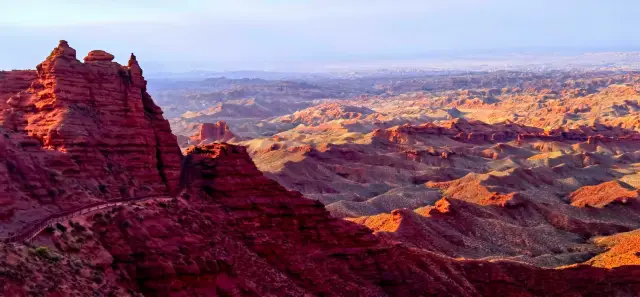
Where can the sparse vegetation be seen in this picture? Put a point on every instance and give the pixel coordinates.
(45, 253)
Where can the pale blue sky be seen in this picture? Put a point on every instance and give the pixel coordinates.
(282, 34)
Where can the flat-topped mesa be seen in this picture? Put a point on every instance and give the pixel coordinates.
(210, 132)
(100, 114)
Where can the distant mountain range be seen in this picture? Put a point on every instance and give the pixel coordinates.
(443, 64)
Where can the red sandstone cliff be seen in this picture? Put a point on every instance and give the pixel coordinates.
(12, 82)
(76, 133)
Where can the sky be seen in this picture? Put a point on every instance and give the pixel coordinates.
(176, 36)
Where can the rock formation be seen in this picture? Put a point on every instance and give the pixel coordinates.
(12, 82)
(209, 132)
(85, 132)
(234, 232)
(604, 194)
(325, 112)
(80, 133)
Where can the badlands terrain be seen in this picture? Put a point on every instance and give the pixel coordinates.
(478, 184)
(535, 167)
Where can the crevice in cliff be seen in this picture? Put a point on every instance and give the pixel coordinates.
(160, 163)
(126, 81)
(147, 102)
(184, 174)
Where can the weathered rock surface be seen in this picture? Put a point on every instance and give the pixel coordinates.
(12, 82)
(622, 249)
(323, 113)
(604, 194)
(209, 132)
(235, 232)
(510, 193)
(98, 55)
(81, 133)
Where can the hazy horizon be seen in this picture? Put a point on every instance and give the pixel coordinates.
(287, 35)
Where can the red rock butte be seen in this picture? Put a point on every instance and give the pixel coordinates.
(210, 132)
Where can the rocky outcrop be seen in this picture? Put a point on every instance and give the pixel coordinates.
(12, 82)
(476, 132)
(324, 113)
(209, 132)
(98, 55)
(83, 132)
(603, 194)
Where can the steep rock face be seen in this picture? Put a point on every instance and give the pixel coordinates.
(80, 133)
(12, 82)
